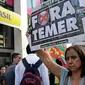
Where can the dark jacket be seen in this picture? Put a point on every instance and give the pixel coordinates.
(10, 75)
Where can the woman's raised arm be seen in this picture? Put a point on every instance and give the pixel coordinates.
(47, 60)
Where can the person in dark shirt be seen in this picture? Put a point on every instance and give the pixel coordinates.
(10, 72)
(2, 72)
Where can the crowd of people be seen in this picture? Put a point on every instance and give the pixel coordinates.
(72, 74)
(7, 72)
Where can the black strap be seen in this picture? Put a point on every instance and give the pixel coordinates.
(38, 63)
(27, 65)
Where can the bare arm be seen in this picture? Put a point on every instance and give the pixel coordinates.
(51, 65)
(46, 58)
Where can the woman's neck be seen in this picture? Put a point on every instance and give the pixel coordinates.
(76, 75)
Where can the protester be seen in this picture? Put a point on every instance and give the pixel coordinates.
(2, 72)
(10, 72)
(7, 64)
(75, 58)
(31, 59)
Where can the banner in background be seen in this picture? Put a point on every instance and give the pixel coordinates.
(9, 18)
(56, 51)
(10, 2)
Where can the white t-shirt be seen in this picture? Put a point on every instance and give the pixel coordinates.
(32, 59)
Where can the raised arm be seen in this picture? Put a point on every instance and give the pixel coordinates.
(47, 60)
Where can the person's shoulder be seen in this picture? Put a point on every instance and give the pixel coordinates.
(20, 63)
(11, 66)
(43, 66)
(64, 71)
(10, 69)
(32, 55)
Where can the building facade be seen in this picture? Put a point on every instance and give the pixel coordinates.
(6, 37)
(13, 39)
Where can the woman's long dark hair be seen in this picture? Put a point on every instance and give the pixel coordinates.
(81, 56)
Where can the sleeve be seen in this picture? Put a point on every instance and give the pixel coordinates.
(8, 75)
(17, 79)
(44, 75)
(19, 70)
(63, 74)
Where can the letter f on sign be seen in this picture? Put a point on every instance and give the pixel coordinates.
(34, 21)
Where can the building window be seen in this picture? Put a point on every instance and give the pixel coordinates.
(6, 37)
(5, 58)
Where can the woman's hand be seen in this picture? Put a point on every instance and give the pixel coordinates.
(47, 60)
(43, 53)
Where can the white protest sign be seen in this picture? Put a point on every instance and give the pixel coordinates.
(60, 23)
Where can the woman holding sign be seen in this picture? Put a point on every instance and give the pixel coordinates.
(75, 58)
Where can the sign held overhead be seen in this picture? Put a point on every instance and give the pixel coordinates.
(60, 23)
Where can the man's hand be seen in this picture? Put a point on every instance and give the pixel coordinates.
(27, 34)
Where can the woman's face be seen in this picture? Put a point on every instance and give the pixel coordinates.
(73, 60)
(3, 69)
